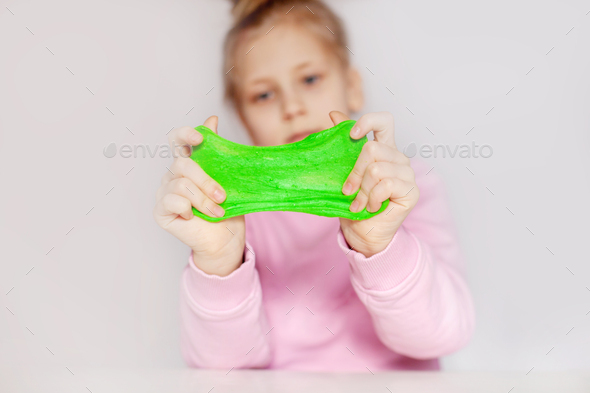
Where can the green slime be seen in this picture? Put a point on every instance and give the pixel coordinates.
(305, 176)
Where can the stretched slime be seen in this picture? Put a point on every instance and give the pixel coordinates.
(305, 176)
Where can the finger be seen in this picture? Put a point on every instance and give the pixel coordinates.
(166, 177)
(395, 190)
(187, 189)
(185, 167)
(373, 175)
(182, 136)
(169, 175)
(377, 172)
(381, 123)
(371, 152)
(174, 204)
(337, 117)
(211, 123)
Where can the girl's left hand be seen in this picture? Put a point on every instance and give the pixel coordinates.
(381, 172)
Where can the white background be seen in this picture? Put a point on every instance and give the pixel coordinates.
(77, 76)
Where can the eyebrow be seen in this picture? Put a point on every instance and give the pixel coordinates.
(303, 65)
(264, 79)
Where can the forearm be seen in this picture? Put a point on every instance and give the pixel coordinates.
(224, 261)
(420, 306)
(429, 316)
(223, 323)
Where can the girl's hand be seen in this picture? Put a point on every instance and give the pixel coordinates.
(217, 247)
(381, 172)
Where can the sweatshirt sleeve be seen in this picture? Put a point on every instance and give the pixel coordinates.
(415, 290)
(223, 322)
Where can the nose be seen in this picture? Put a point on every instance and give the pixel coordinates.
(293, 105)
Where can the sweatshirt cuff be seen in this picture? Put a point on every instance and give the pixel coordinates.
(386, 269)
(216, 293)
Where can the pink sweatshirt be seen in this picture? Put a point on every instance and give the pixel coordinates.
(303, 300)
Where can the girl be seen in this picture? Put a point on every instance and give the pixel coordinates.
(288, 290)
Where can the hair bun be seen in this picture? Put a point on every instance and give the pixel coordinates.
(242, 8)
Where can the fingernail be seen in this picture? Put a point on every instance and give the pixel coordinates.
(354, 206)
(347, 188)
(218, 211)
(356, 131)
(218, 196)
(195, 137)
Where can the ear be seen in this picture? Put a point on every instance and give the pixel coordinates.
(354, 90)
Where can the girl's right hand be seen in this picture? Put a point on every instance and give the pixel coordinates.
(218, 247)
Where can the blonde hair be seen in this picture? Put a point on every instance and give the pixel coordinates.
(249, 14)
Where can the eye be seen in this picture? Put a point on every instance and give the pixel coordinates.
(310, 80)
(263, 96)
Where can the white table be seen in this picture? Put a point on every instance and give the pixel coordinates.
(244, 381)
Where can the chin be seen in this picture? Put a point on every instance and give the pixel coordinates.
(300, 136)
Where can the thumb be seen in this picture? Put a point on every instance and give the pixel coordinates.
(337, 117)
(211, 123)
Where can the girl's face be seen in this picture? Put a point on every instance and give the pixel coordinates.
(287, 84)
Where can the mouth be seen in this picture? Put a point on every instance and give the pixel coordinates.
(300, 135)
